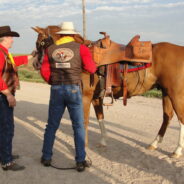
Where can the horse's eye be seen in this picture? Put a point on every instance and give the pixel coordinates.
(42, 43)
(90, 45)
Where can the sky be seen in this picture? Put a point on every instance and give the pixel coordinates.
(154, 20)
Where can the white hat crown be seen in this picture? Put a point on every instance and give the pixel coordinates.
(67, 28)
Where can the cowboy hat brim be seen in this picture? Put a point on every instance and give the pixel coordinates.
(67, 32)
(11, 33)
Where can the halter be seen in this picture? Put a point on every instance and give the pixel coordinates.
(46, 42)
(43, 45)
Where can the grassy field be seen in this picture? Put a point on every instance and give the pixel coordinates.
(27, 73)
(153, 93)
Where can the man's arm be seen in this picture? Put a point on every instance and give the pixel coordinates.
(45, 68)
(21, 60)
(88, 63)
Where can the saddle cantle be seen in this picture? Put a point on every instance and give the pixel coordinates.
(107, 52)
(138, 51)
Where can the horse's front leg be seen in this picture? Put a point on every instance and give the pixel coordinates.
(167, 116)
(86, 105)
(98, 107)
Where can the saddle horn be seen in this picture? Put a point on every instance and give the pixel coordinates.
(105, 34)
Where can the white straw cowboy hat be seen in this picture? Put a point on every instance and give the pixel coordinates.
(67, 28)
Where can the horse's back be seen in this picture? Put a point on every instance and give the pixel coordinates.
(169, 48)
(165, 53)
(168, 64)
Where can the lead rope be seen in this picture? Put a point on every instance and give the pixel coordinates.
(62, 168)
(70, 168)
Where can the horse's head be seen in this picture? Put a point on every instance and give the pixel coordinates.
(46, 36)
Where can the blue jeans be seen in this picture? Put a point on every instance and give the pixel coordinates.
(6, 130)
(63, 96)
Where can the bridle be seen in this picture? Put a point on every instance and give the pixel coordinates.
(42, 45)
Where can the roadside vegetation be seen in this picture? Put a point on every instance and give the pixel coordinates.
(27, 73)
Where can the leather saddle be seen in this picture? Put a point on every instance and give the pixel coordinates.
(106, 51)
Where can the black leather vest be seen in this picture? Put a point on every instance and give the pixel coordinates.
(65, 62)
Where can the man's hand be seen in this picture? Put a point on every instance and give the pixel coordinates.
(11, 100)
(36, 64)
(33, 54)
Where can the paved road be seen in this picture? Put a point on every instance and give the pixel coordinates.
(125, 160)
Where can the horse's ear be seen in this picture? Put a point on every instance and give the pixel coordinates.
(38, 29)
(35, 29)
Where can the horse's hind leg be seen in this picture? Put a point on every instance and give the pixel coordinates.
(98, 107)
(167, 116)
(178, 104)
(178, 152)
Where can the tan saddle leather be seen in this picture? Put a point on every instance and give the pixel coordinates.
(105, 51)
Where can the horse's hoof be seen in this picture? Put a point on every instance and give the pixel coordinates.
(174, 155)
(150, 147)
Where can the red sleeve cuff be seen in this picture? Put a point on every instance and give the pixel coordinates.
(20, 60)
(88, 63)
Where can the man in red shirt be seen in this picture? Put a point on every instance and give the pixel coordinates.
(62, 67)
(8, 84)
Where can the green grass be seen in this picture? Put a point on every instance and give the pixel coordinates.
(153, 93)
(28, 73)
(32, 76)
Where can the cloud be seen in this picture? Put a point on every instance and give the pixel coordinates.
(148, 17)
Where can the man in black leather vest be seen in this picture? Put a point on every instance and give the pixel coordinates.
(62, 67)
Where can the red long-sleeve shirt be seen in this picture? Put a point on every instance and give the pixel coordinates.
(19, 60)
(87, 63)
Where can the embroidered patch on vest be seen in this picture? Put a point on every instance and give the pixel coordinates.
(63, 65)
(62, 55)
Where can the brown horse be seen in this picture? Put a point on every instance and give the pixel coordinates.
(166, 71)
